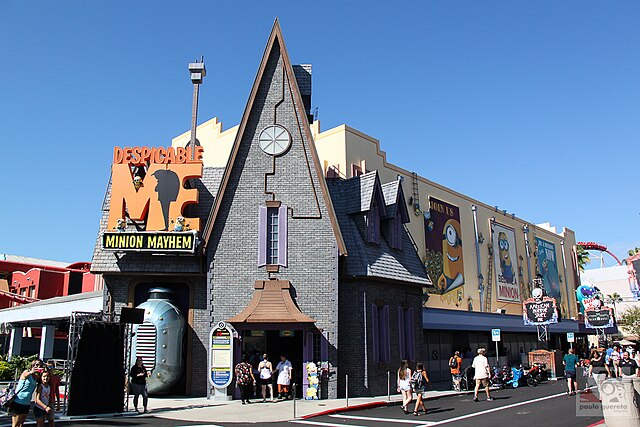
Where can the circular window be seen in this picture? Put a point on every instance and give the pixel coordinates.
(274, 140)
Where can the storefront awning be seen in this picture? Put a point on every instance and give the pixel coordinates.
(271, 303)
(53, 308)
(435, 318)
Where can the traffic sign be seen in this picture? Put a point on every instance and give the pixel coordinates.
(495, 335)
(571, 337)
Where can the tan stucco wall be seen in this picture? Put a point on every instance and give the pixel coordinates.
(343, 146)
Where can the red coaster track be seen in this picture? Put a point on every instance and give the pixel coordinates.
(593, 246)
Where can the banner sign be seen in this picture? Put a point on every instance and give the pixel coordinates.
(541, 311)
(548, 267)
(443, 246)
(147, 185)
(159, 242)
(221, 356)
(602, 318)
(506, 263)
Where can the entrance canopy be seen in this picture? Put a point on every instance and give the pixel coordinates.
(271, 303)
(52, 309)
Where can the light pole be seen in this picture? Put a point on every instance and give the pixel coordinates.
(197, 71)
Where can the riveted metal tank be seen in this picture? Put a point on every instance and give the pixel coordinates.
(159, 341)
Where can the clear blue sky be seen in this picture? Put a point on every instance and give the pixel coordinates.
(531, 106)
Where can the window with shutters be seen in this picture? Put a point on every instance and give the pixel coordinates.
(272, 235)
(381, 350)
(406, 333)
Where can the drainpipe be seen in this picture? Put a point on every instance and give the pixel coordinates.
(566, 282)
(525, 230)
(480, 278)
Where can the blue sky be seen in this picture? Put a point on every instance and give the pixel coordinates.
(531, 106)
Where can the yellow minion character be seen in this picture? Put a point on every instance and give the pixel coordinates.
(453, 272)
(505, 259)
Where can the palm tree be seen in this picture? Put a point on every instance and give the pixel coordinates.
(583, 257)
(614, 298)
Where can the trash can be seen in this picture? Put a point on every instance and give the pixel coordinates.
(620, 398)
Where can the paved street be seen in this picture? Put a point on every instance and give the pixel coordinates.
(546, 405)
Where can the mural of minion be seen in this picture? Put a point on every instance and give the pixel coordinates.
(506, 267)
(453, 269)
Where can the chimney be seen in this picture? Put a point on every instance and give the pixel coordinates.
(303, 77)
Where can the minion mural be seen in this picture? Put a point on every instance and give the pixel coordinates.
(505, 262)
(548, 268)
(444, 261)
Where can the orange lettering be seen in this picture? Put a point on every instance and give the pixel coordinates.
(145, 152)
(127, 155)
(135, 156)
(160, 155)
(181, 156)
(199, 151)
(171, 155)
(117, 155)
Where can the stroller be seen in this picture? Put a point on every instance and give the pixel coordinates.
(466, 382)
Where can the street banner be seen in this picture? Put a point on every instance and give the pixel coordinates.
(598, 318)
(443, 246)
(505, 260)
(548, 267)
(541, 311)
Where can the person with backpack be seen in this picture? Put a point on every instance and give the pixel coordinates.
(419, 381)
(455, 363)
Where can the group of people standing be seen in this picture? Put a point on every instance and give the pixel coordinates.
(40, 379)
(246, 378)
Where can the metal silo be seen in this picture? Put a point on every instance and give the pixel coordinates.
(159, 341)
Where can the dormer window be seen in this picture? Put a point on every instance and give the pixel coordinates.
(395, 232)
(373, 223)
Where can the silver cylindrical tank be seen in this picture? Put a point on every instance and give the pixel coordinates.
(159, 341)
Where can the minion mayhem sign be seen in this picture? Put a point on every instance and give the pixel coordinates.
(147, 187)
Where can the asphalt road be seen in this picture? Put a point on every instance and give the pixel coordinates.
(546, 405)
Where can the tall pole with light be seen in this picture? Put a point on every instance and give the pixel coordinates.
(198, 71)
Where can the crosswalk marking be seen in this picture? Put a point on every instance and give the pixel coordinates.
(415, 422)
(318, 423)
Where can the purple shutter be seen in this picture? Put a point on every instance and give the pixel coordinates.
(410, 334)
(282, 235)
(374, 334)
(386, 347)
(401, 332)
(262, 236)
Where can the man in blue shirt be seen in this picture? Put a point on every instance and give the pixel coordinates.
(569, 361)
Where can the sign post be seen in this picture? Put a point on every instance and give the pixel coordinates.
(221, 359)
(571, 338)
(495, 336)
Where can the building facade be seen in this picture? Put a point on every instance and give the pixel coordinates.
(314, 247)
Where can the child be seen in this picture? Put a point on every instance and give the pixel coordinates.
(42, 409)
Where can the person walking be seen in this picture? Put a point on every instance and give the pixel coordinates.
(627, 367)
(43, 409)
(598, 369)
(284, 369)
(265, 369)
(419, 381)
(455, 363)
(482, 374)
(244, 379)
(139, 374)
(21, 403)
(404, 385)
(569, 361)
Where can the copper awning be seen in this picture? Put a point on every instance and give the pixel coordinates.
(271, 303)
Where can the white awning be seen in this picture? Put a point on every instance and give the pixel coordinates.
(54, 308)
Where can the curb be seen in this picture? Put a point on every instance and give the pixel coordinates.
(367, 405)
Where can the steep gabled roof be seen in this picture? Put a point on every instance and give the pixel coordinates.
(275, 39)
(395, 201)
(363, 190)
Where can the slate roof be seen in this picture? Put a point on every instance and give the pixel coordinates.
(367, 259)
(110, 262)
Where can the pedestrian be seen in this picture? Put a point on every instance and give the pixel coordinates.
(598, 370)
(614, 361)
(419, 381)
(569, 361)
(628, 367)
(139, 374)
(244, 379)
(455, 363)
(284, 369)
(21, 403)
(266, 372)
(54, 380)
(43, 408)
(482, 374)
(404, 385)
